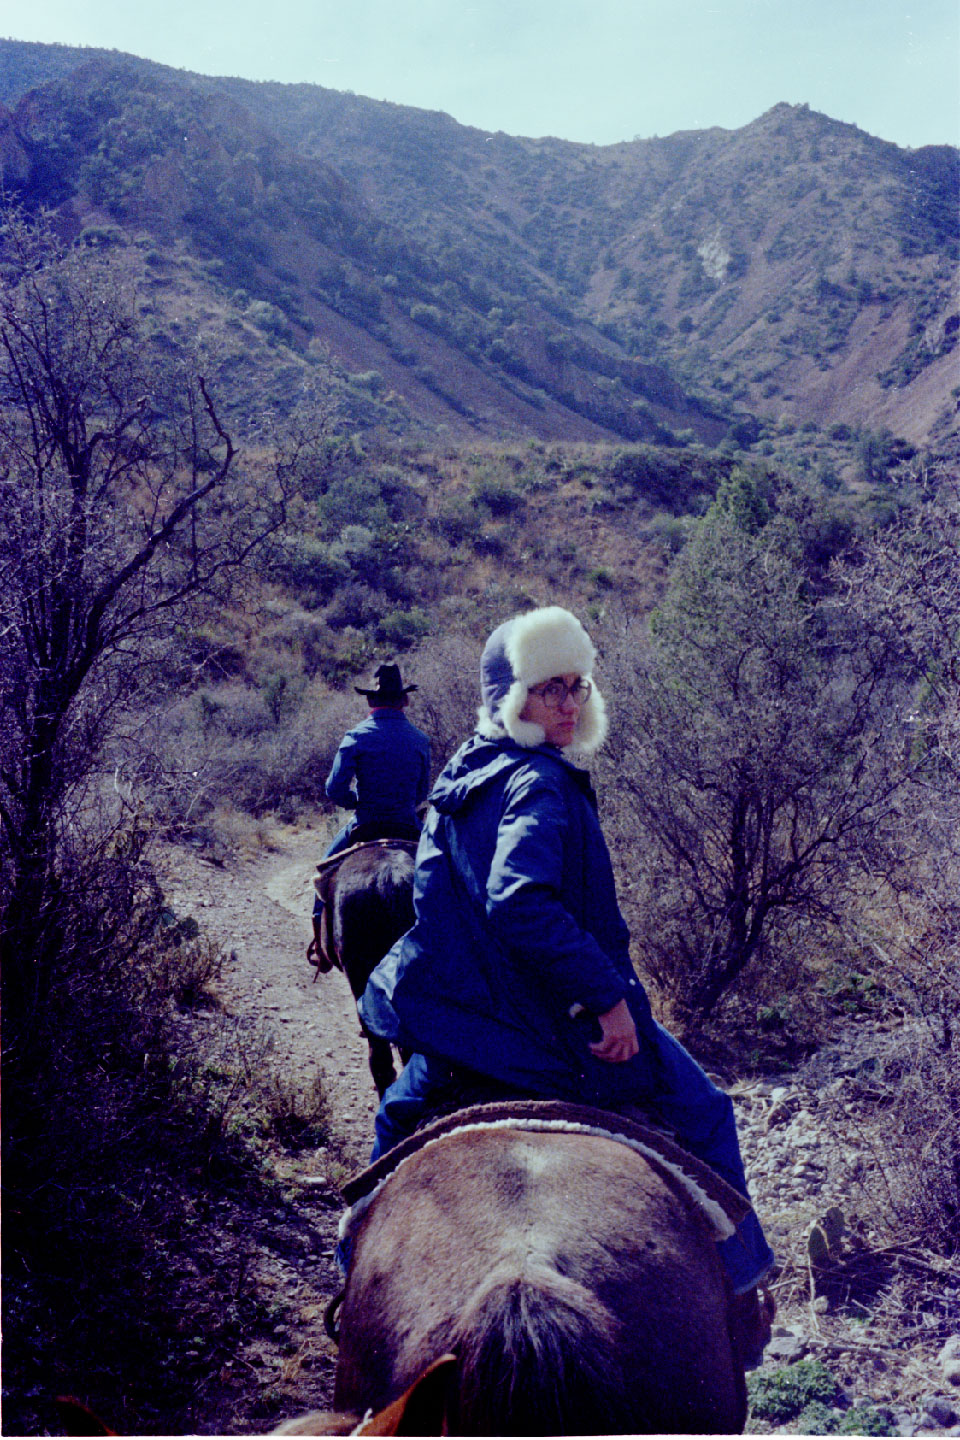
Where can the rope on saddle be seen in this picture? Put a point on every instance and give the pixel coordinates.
(384, 842)
(721, 1206)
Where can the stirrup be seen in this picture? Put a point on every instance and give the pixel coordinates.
(330, 1322)
(751, 1317)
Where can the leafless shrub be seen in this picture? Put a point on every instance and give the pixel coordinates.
(447, 672)
(217, 754)
(297, 1111)
(121, 502)
(185, 969)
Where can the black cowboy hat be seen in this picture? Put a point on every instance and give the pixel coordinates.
(390, 686)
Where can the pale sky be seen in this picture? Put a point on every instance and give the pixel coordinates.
(591, 70)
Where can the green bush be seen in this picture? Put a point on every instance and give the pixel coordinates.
(353, 500)
(371, 380)
(782, 1395)
(819, 1419)
(497, 495)
(354, 605)
(669, 531)
(270, 320)
(429, 316)
(310, 565)
(458, 520)
(402, 628)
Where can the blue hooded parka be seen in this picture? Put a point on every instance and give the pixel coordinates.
(518, 942)
(517, 925)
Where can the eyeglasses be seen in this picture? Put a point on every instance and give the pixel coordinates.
(554, 692)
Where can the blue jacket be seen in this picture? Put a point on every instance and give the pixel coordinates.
(516, 922)
(381, 770)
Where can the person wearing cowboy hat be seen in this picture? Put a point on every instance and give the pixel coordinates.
(516, 977)
(381, 770)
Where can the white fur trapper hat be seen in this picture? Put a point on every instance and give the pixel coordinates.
(525, 651)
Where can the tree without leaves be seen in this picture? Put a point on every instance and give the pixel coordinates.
(754, 760)
(120, 502)
(906, 586)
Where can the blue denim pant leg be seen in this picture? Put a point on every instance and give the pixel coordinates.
(403, 1106)
(702, 1117)
(420, 1084)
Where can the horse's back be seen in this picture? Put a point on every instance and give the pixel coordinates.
(564, 1260)
(380, 869)
(372, 904)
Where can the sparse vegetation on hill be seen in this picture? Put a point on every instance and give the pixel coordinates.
(796, 270)
(741, 259)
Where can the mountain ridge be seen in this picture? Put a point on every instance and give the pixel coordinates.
(795, 270)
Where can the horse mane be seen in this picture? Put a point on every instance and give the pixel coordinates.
(539, 1356)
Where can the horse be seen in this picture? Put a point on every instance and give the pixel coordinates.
(554, 1280)
(368, 904)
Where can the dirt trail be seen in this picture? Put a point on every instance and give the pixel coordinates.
(259, 912)
(257, 908)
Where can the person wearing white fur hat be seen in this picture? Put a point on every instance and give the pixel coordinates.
(516, 976)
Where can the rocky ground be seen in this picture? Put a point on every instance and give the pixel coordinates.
(847, 1314)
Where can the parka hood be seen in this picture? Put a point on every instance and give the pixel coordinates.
(481, 760)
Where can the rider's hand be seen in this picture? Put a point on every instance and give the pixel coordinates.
(619, 1041)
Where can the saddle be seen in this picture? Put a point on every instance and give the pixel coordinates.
(721, 1206)
(322, 951)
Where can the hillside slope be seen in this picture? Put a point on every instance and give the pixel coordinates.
(798, 265)
(123, 151)
(796, 270)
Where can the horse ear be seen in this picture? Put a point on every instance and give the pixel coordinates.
(424, 1409)
(78, 1419)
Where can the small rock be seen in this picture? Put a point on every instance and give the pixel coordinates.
(951, 1350)
(784, 1349)
(938, 1410)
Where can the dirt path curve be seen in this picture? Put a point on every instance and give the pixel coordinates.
(256, 907)
(258, 911)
